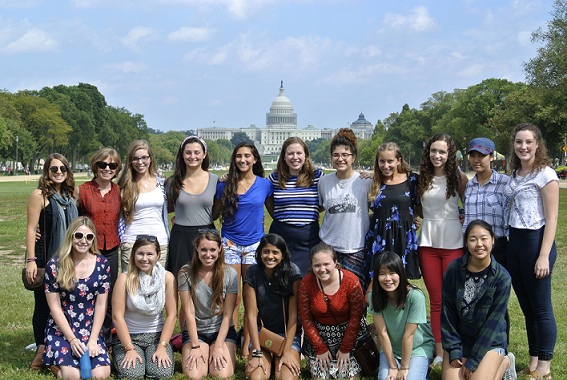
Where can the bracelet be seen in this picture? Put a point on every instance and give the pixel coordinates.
(131, 345)
(163, 343)
(393, 367)
(404, 368)
(195, 347)
(257, 353)
(30, 259)
(72, 340)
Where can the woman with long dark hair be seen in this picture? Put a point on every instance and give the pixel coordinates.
(271, 288)
(190, 193)
(400, 317)
(51, 208)
(441, 185)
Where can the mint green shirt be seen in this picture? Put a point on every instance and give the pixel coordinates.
(396, 319)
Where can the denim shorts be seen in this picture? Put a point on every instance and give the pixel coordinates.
(239, 254)
(211, 338)
(499, 350)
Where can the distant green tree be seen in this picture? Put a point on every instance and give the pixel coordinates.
(239, 137)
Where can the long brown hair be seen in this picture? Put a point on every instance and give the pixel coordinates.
(129, 187)
(541, 159)
(378, 178)
(451, 169)
(191, 271)
(306, 175)
(133, 276)
(46, 185)
(229, 197)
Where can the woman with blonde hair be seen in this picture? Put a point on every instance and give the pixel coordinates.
(143, 201)
(51, 208)
(76, 288)
(393, 201)
(141, 347)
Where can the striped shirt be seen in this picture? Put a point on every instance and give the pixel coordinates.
(296, 205)
(487, 202)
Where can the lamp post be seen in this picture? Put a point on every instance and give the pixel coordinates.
(16, 164)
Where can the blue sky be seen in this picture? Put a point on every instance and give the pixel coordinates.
(188, 64)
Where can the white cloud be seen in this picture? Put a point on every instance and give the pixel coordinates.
(128, 67)
(138, 35)
(472, 71)
(418, 20)
(34, 40)
(238, 8)
(187, 34)
(206, 57)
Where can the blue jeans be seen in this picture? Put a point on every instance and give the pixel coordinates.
(534, 295)
(418, 368)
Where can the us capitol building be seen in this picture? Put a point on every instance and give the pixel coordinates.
(281, 123)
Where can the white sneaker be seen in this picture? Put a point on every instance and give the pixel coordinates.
(510, 373)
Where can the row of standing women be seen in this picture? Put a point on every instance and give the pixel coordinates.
(296, 191)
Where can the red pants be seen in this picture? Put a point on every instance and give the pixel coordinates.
(434, 263)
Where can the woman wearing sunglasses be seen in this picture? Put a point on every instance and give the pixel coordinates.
(76, 287)
(51, 207)
(143, 201)
(99, 199)
(141, 347)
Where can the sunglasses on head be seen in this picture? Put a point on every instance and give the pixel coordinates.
(103, 165)
(203, 231)
(78, 235)
(150, 238)
(55, 169)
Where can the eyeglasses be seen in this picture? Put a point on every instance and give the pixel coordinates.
(150, 238)
(103, 165)
(55, 169)
(344, 156)
(203, 231)
(143, 159)
(78, 235)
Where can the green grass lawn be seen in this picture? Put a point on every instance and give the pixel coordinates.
(16, 303)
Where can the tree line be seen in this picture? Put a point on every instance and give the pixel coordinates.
(76, 120)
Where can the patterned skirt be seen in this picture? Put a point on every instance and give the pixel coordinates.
(332, 335)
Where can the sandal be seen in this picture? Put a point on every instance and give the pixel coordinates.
(535, 375)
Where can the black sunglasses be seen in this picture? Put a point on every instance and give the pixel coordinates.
(203, 231)
(78, 235)
(103, 165)
(150, 238)
(55, 169)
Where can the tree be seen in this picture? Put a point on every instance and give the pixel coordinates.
(239, 137)
(547, 73)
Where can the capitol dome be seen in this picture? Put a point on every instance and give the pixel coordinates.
(281, 113)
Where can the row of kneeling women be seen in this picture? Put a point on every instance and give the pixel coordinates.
(295, 194)
(327, 304)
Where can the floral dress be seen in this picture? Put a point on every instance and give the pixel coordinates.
(78, 306)
(392, 227)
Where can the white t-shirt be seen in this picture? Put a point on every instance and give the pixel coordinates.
(148, 217)
(346, 220)
(526, 205)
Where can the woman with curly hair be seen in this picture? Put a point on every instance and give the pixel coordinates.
(441, 184)
(534, 209)
(76, 287)
(271, 288)
(344, 194)
(242, 198)
(51, 208)
(143, 201)
(190, 193)
(207, 287)
(296, 201)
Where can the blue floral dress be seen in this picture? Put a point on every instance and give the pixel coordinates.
(78, 306)
(392, 227)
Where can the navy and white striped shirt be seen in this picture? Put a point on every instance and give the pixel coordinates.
(296, 205)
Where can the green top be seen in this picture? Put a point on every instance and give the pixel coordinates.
(396, 319)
